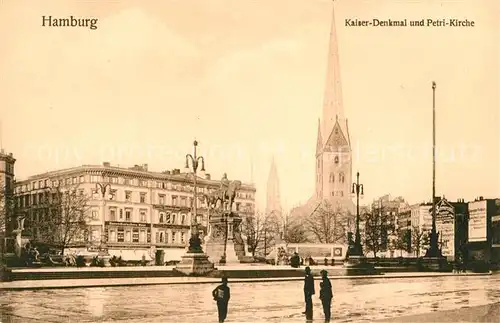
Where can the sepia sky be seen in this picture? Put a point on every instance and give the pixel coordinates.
(246, 79)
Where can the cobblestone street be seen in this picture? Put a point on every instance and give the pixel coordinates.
(354, 300)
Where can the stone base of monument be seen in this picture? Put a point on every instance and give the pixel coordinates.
(358, 265)
(194, 264)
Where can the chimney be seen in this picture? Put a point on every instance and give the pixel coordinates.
(480, 198)
(106, 164)
(207, 176)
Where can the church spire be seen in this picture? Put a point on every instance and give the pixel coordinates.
(319, 141)
(332, 105)
(273, 191)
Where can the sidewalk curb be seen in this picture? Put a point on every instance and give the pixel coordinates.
(21, 285)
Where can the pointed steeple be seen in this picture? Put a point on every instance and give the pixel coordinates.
(273, 191)
(319, 141)
(333, 109)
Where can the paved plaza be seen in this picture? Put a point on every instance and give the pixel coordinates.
(355, 300)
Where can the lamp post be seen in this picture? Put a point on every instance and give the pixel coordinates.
(196, 162)
(102, 188)
(357, 190)
(226, 229)
(433, 250)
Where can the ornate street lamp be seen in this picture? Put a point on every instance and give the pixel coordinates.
(196, 162)
(226, 233)
(357, 190)
(102, 188)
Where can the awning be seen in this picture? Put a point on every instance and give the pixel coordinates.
(131, 255)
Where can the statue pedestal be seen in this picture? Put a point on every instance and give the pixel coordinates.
(358, 265)
(231, 237)
(194, 264)
(231, 257)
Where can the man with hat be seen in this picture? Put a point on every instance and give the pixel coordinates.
(326, 294)
(221, 295)
(308, 293)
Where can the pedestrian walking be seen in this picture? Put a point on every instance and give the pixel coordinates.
(308, 293)
(221, 295)
(326, 295)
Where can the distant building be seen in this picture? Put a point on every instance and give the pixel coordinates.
(142, 211)
(483, 230)
(461, 227)
(389, 209)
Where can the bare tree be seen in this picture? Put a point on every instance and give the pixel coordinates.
(295, 232)
(419, 239)
(4, 213)
(328, 223)
(261, 231)
(65, 219)
(403, 241)
(378, 226)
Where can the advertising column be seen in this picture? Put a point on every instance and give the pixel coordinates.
(477, 221)
(445, 226)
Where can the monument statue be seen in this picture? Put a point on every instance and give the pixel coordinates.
(224, 243)
(233, 187)
(18, 232)
(195, 244)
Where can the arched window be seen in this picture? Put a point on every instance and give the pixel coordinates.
(336, 159)
(161, 237)
(341, 177)
(172, 217)
(332, 178)
(161, 219)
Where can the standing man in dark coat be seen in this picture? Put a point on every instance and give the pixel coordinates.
(326, 295)
(308, 293)
(222, 294)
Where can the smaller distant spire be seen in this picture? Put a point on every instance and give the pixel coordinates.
(273, 190)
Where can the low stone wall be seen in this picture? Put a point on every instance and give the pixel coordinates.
(90, 274)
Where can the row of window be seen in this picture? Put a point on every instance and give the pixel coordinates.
(341, 178)
(126, 214)
(142, 236)
(41, 198)
(46, 183)
(183, 201)
(165, 237)
(134, 235)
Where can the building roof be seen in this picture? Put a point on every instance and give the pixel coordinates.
(137, 171)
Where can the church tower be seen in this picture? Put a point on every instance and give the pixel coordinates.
(333, 148)
(273, 192)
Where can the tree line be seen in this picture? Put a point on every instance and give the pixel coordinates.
(331, 224)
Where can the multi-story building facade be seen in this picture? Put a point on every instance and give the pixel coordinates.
(389, 209)
(134, 212)
(482, 233)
